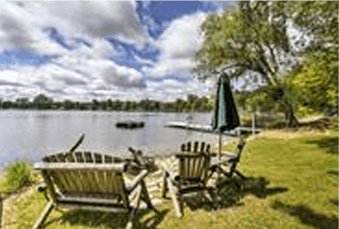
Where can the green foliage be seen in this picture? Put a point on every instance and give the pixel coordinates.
(315, 85)
(18, 174)
(253, 37)
(193, 103)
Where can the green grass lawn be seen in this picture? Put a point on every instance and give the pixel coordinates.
(300, 171)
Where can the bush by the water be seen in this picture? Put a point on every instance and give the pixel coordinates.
(18, 174)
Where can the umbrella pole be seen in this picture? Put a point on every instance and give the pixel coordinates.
(219, 155)
(220, 143)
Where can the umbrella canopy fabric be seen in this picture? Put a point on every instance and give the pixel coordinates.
(225, 114)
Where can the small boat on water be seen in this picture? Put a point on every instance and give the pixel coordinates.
(130, 124)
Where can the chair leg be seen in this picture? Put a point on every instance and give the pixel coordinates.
(49, 207)
(134, 210)
(145, 197)
(240, 175)
(176, 202)
(165, 185)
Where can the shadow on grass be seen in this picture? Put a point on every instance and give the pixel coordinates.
(231, 191)
(308, 216)
(321, 124)
(334, 202)
(330, 144)
(100, 219)
(333, 172)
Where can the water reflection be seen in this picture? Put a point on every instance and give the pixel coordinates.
(31, 134)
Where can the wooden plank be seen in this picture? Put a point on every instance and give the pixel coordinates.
(197, 167)
(121, 189)
(137, 180)
(89, 186)
(63, 181)
(59, 179)
(88, 200)
(133, 213)
(53, 158)
(94, 208)
(49, 185)
(108, 159)
(187, 167)
(49, 207)
(182, 167)
(75, 179)
(208, 148)
(193, 166)
(174, 198)
(92, 179)
(88, 157)
(79, 157)
(202, 147)
(70, 158)
(188, 146)
(146, 197)
(100, 177)
(61, 157)
(165, 185)
(195, 149)
(187, 155)
(98, 158)
(109, 185)
(83, 166)
(183, 148)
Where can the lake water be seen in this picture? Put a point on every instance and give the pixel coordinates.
(32, 134)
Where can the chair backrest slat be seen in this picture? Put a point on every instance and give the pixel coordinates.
(202, 147)
(195, 163)
(98, 158)
(88, 182)
(79, 157)
(108, 159)
(88, 157)
(195, 149)
(70, 157)
(188, 149)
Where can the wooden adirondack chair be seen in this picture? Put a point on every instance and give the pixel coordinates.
(86, 180)
(193, 174)
(231, 161)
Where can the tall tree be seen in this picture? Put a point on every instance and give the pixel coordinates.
(260, 41)
(41, 101)
(316, 81)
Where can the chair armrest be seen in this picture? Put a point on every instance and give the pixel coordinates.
(137, 180)
(168, 172)
(42, 187)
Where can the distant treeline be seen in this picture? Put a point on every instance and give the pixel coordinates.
(42, 102)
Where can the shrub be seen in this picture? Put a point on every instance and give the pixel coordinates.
(18, 174)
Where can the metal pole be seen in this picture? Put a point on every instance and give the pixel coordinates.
(220, 143)
(219, 164)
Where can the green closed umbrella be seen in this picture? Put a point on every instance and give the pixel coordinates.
(225, 114)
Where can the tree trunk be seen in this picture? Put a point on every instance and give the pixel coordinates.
(290, 119)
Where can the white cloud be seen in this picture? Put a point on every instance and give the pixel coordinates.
(85, 72)
(16, 30)
(22, 24)
(177, 45)
(181, 38)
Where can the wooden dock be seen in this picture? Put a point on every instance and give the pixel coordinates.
(208, 129)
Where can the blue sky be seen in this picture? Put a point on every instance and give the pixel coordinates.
(85, 50)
